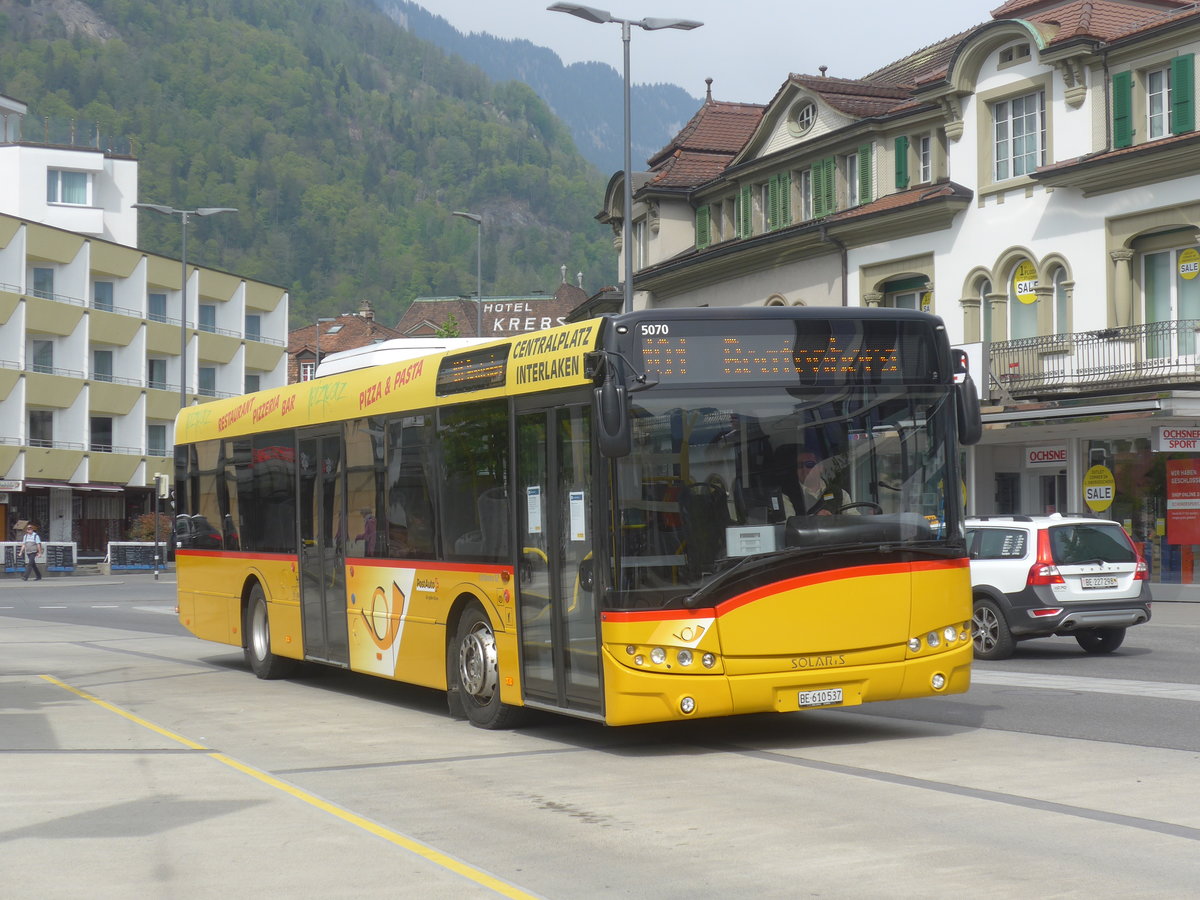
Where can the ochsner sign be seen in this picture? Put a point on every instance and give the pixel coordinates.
(1046, 456)
(1173, 437)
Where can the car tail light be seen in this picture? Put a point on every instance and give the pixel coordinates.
(1043, 570)
(1142, 571)
(1045, 613)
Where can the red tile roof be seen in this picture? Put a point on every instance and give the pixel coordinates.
(706, 144)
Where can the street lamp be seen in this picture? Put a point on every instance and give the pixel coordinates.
(478, 220)
(318, 359)
(602, 17)
(183, 218)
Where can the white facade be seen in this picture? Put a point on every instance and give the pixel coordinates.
(91, 339)
(1034, 184)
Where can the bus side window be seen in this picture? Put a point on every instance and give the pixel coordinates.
(474, 442)
(407, 521)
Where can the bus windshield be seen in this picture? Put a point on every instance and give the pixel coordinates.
(725, 480)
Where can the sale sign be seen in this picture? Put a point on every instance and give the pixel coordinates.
(1183, 501)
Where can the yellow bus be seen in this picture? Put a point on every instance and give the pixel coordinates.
(654, 516)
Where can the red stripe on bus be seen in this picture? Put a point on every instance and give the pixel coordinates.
(727, 606)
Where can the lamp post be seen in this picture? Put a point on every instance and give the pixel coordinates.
(478, 220)
(183, 218)
(320, 320)
(603, 17)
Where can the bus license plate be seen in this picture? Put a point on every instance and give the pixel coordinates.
(826, 697)
(1099, 581)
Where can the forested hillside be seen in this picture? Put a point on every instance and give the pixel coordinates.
(344, 141)
(588, 97)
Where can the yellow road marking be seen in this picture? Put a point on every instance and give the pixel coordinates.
(412, 846)
(124, 714)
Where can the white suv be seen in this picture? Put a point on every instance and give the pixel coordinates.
(1036, 576)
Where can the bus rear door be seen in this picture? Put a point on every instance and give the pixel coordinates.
(323, 548)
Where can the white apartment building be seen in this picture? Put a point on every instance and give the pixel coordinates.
(91, 337)
(1034, 181)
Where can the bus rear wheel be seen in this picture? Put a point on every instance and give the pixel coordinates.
(257, 634)
(474, 671)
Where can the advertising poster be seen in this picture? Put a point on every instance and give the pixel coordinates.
(1183, 501)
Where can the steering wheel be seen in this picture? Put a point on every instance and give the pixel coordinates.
(876, 509)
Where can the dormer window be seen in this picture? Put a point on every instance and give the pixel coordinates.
(1017, 53)
(801, 117)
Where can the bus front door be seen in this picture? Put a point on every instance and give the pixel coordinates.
(323, 549)
(560, 662)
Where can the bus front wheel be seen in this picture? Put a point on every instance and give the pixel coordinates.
(475, 671)
(257, 634)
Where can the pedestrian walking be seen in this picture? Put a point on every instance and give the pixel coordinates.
(31, 549)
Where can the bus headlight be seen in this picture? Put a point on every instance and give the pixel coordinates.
(708, 660)
(950, 633)
(938, 681)
(914, 644)
(687, 705)
(684, 657)
(933, 639)
(658, 656)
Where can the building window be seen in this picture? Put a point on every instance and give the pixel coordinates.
(307, 369)
(804, 194)
(102, 295)
(1023, 301)
(156, 308)
(802, 117)
(641, 246)
(156, 373)
(102, 365)
(156, 440)
(42, 356)
(850, 171)
(925, 158)
(1014, 54)
(208, 381)
(208, 318)
(67, 187)
(43, 283)
(102, 434)
(1169, 299)
(253, 327)
(1158, 103)
(253, 382)
(1019, 135)
(41, 428)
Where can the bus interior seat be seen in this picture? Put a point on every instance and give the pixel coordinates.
(705, 515)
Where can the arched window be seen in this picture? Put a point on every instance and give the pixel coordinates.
(1022, 300)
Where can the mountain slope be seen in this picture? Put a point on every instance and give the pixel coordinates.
(588, 97)
(345, 141)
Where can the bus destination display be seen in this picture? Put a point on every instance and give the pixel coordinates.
(819, 358)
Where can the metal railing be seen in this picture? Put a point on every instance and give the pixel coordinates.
(1136, 355)
(59, 131)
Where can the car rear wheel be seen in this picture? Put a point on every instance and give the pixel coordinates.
(1100, 640)
(992, 638)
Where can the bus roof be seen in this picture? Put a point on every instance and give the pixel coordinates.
(523, 364)
(386, 352)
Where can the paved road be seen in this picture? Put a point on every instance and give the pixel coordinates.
(136, 761)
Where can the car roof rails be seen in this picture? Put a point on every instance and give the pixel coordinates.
(1002, 518)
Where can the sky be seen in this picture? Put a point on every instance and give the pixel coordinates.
(748, 47)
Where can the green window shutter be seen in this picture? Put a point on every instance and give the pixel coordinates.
(745, 218)
(865, 174)
(901, 163)
(824, 181)
(785, 199)
(703, 227)
(1122, 109)
(1183, 94)
(772, 203)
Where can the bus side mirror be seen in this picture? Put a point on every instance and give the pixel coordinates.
(970, 421)
(612, 421)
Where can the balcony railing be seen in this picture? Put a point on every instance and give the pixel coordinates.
(58, 131)
(1157, 353)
